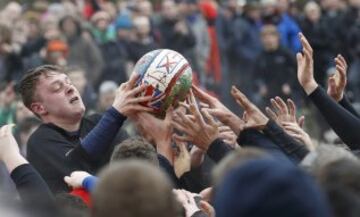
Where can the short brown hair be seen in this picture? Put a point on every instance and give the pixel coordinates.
(134, 188)
(29, 81)
(135, 148)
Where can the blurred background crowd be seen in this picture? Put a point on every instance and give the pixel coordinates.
(248, 43)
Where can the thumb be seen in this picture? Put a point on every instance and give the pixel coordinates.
(207, 208)
(67, 180)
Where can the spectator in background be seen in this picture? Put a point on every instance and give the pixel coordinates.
(80, 81)
(275, 13)
(275, 69)
(191, 11)
(143, 41)
(82, 52)
(102, 30)
(175, 32)
(316, 30)
(10, 61)
(106, 95)
(115, 53)
(7, 105)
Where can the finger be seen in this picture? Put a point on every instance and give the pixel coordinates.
(207, 208)
(202, 95)
(224, 128)
(276, 107)
(292, 108)
(342, 76)
(196, 113)
(137, 90)
(183, 104)
(282, 105)
(332, 85)
(295, 136)
(185, 119)
(270, 113)
(140, 108)
(208, 117)
(132, 80)
(204, 105)
(301, 121)
(306, 45)
(342, 59)
(179, 127)
(240, 98)
(183, 138)
(140, 99)
(169, 112)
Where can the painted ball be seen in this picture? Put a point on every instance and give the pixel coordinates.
(168, 77)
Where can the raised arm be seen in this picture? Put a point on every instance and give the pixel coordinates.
(343, 122)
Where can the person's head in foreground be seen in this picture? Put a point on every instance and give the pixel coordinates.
(269, 187)
(48, 92)
(134, 188)
(135, 148)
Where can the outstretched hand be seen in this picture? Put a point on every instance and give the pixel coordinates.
(127, 100)
(182, 161)
(197, 130)
(219, 110)
(337, 81)
(253, 117)
(305, 70)
(295, 131)
(283, 112)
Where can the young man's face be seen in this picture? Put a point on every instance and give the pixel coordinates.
(57, 98)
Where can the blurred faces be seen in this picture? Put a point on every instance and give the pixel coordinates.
(69, 27)
(142, 26)
(169, 10)
(312, 11)
(22, 112)
(270, 38)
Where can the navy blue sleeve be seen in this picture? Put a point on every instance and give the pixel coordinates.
(254, 138)
(89, 183)
(292, 148)
(345, 103)
(343, 122)
(218, 149)
(99, 139)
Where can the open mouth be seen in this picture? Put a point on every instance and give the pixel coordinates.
(74, 99)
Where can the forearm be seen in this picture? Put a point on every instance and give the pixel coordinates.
(32, 188)
(100, 138)
(342, 121)
(344, 102)
(293, 149)
(164, 148)
(12, 161)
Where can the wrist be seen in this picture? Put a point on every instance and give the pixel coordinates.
(310, 87)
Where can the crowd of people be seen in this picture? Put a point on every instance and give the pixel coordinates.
(77, 140)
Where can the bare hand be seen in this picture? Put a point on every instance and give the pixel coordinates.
(305, 71)
(157, 131)
(228, 136)
(127, 99)
(8, 144)
(196, 130)
(337, 82)
(188, 202)
(299, 134)
(76, 179)
(283, 112)
(252, 116)
(182, 163)
(219, 110)
(197, 157)
(207, 208)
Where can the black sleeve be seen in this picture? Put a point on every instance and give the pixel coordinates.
(218, 149)
(32, 188)
(344, 123)
(254, 138)
(345, 103)
(295, 150)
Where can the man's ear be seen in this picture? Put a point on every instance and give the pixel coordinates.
(38, 108)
